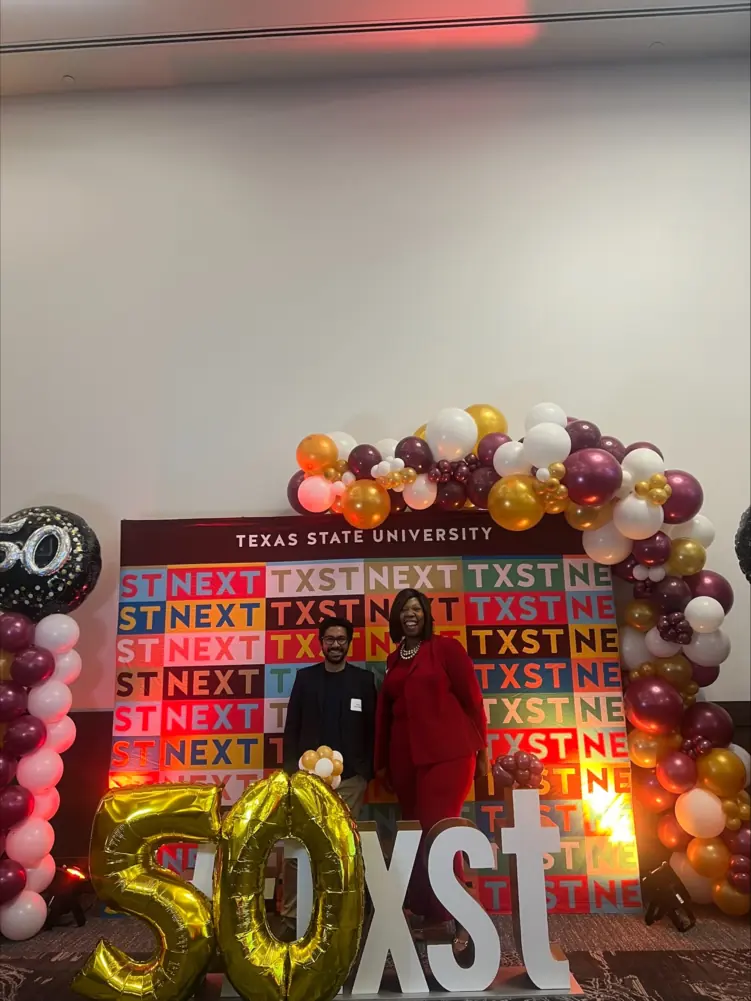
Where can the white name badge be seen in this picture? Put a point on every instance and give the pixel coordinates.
(356, 705)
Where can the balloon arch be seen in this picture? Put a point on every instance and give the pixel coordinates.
(639, 518)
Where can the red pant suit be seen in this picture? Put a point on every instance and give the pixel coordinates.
(430, 724)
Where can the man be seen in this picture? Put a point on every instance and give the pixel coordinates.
(332, 703)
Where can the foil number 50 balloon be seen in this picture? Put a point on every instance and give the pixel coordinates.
(131, 823)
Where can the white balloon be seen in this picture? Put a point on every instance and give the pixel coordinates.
(29, 841)
(60, 735)
(336, 781)
(384, 468)
(636, 518)
(40, 770)
(627, 485)
(67, 667)
(640, 572)
(606, 544)
(337, 756)
(546, 443)
(324, 767)
(705, 649)
(704, 615)
(543, 474)
(344, 443)
(451, 434)
(634, 651)
(338, 488)
(397, 465)
(700, 529)
(545, 413)
(387, 447)
(420, 494)
(316, 494)
(39, 877)
(46, 805)
(742, 753)
(700, 813)
(23, 917)
(50, 701)
(657, 574)
(643, 463)
(57, 633)
(509, 459)
(348, 478)
(699, 887)
(657, 646)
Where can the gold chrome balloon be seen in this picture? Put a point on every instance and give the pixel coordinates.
(488, 419)
(514, 505)
(130, 825)
(588, 516)
(641, 614)
(687, 557)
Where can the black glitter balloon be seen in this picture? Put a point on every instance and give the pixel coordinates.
(743, 545)
(31, 541)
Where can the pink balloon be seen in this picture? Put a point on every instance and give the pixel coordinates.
(46, 805)
(61, 735)
(40, 770)
(29, 841)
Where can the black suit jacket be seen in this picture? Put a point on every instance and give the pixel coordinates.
(302, 728)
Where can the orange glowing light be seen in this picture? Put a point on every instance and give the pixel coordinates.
(73, 870)
(610, 815)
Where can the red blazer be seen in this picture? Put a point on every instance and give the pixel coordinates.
(445, 709)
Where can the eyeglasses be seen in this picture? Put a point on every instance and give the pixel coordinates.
(335, 641)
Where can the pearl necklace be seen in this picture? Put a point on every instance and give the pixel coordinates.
(408, 654)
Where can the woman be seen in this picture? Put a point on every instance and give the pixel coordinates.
(431, 738)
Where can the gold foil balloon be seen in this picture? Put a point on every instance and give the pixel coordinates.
(366, 504)
(676, 670)
(644, 749)
(514, 505)
(315, 453)
(409, 475)
(642, 615)
(729, 900)
(420, 432)
(585, 517)
(709, 857)
(721, 772)
(687, 557)
(130, 825)
(488, 420)
(557, 469)
(555, 505)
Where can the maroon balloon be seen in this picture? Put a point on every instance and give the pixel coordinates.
(686, 499)
(292, 487)
(451, 496)
(398, 503)
(16, 804)
(671, 834)
(653, 705)
(489, 445)
(710, 584)
(7, 768)
(652, 552)
(739, 842)
(643, 444)
(13, 699)
(592, 476)
(24, 735)
(740, 863)
(32, 666)
(625, 569)
(16, 631)
(740, 881)
(710, 721)
(649, 792)
(704, 676)
(12, 879)
(672, 594)
(676, 772)
(583, 434)
(361, 460)
(613, 445)
(502, 779)
(479, 485)
(415, 453)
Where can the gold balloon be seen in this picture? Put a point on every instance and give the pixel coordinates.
(488, 420)
(514, 505)
(552, 484)
(584, 516)
(409, 475)
(676, 670)
(130, 825)
(745, 811)
(341, 466)
(731, 901)
(658, 480)
(420, 432)
(641, 489)
(641, 614)
(709, 857)
(336, 506)
(315, 452)
(557, 469)
(731, 808)
(658, 496)
(555, 505)
(309, 760)
(721, 772)
(324, 751)
(366, 504)
(644, 749)
(734, 823)
(330, 473)
(687, 557)
(6, 659)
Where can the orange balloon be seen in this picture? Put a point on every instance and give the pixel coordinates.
(366, 504)
(324, 751)
(709, 857)
(721, 772)
(731, 901)
(514, 505)
(642, 615)
(309, 760)
(315, 452)
(645, 749)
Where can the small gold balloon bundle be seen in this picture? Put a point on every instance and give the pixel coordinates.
(324, 762)
(656, 489)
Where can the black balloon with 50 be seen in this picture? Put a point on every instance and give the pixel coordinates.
(50, 560)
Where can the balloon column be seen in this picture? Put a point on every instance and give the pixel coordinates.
(639, 517)
(49, 563)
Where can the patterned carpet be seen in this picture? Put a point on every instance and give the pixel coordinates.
(632, 962)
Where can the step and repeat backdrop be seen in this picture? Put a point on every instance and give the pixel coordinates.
(217, 616)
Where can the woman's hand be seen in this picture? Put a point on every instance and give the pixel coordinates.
(481, 768)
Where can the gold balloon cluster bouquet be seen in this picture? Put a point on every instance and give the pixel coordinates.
(324, 762)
